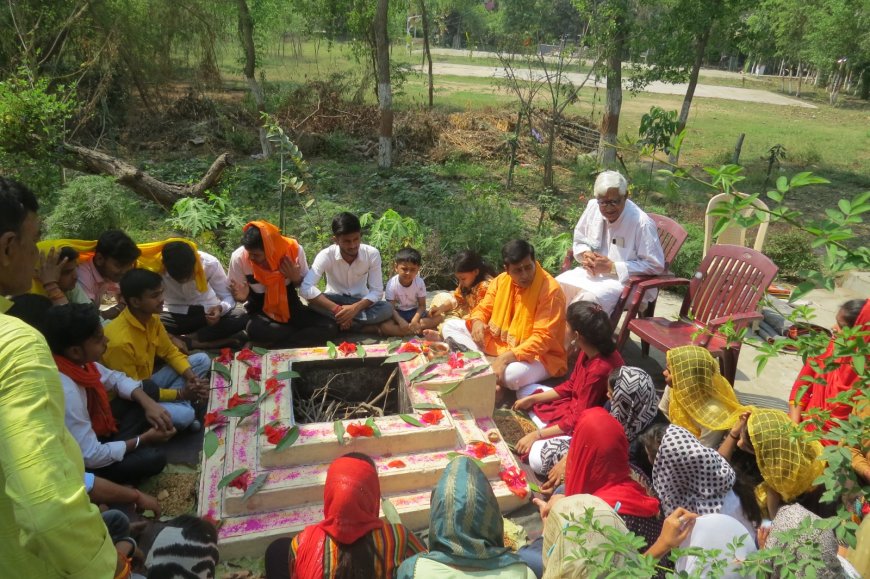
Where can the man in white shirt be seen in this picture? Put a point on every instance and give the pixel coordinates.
(354, 294)
(119, 429)
(613, 240)
(206, 319)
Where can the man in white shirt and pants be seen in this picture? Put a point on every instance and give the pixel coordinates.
(613, 240)
(354, 294)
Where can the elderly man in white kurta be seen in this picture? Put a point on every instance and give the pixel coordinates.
(613, 240)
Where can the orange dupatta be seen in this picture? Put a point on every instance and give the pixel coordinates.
(276, 247)
(513, 329)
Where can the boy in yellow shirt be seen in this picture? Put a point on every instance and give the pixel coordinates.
(136, 336)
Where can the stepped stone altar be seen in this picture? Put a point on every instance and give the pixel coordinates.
(411, 447)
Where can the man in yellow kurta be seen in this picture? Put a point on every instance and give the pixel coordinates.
(48, 527)
(520, 321)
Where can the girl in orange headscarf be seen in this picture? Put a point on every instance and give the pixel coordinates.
(351, 540)
(823, 378)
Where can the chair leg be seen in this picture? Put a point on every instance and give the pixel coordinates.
(644, 349)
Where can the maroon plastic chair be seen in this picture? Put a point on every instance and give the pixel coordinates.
(727, 287)
(672, 235)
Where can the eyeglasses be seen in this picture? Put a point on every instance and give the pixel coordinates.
(610, 202)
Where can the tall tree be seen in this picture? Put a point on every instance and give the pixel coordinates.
(246, 35)
(385, 93)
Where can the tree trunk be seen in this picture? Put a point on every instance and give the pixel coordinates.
(385, 93)
(700, 48)
(613, 102)
(427, 55)
(163, 193)
(800, 79)
(246, 35)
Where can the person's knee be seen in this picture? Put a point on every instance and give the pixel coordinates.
(517, 375)
(200, 363)
(182, 414)
(379, 312)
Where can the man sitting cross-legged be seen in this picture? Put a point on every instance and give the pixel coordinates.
(265, 273)
(136, 336)
(114, 420)
(521, 321)
(354, 293)
(207, 317)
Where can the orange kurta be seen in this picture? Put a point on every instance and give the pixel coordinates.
(545, 343)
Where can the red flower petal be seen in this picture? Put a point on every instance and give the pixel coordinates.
(274, 434)
(432, 417)
(246, 354)
(226, 356)
(272, 385)
(241, 482)
(515, 480)
(347, 348)
(356, 430)
(252, 373)
(456, 360)
(481, 449)
(212, 418)
(396, 464)
(409, 347)
(236, 400)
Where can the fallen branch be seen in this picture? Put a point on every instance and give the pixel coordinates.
(151, 188)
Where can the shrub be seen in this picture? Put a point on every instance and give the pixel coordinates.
(86, 207)
(791, 250)
(687, 260)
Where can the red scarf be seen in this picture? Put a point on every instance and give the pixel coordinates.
(837, 375)
(351, 504)
(276, 247)
(598, 465)
(88, 377)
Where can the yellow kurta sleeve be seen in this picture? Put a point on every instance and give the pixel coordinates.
(121, 353)
(167, 351)
(49, 527)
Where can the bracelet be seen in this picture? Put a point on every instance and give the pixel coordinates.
(540, 434)
(731, 434)
(135, 446)
(336, 309)
(48, 283)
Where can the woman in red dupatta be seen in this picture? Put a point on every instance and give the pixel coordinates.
(825, 377)
(351, 540)
(598, 465)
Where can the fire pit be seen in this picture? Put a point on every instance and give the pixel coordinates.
(264, 463)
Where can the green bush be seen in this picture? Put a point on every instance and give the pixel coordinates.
(687, 260)
(86, 207)
(791, 250)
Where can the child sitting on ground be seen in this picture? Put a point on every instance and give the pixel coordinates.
(473, 275)
(136, 336)
(112, 417)
(407, 292)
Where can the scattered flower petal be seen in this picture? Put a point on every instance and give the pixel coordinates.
(226, 356)
(241, 482)
(246, 354)
(252, 373)
(236, 400)
(396, 464)
(347, 348)
(357, 430)
(214, 418)
(480, 449)
(411, 347)
(515, 479)
(272, 385)
(432, 417)
(456, 360)
(274, 434)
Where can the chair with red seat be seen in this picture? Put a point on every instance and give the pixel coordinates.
(727, 287)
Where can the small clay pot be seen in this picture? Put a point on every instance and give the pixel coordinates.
(437, 350)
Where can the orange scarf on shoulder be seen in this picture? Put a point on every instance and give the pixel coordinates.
(276, 247)
(513, 329)
(88, 377)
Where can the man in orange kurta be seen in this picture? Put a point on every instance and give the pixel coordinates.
(520, 321)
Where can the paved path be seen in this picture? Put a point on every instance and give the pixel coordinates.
(702, 90)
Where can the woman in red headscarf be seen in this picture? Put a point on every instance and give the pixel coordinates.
(825, 377)
(351, 540)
